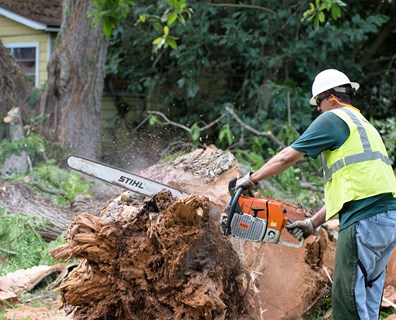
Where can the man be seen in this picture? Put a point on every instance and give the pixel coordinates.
(360, 186)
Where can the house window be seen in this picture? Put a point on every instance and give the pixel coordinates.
(26, 54)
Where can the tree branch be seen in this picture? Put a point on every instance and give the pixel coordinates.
(167, 121)
(8, 251)
(241, 5)
(268, 134)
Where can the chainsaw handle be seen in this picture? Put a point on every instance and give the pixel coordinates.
(289, 244)
(232, 187)
(234, 201)
(233, 205)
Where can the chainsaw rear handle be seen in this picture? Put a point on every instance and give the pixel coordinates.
(289, 244)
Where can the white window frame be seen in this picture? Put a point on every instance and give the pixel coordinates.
(35, 44)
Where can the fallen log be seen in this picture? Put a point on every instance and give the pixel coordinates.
(19, 282)
(52, 221)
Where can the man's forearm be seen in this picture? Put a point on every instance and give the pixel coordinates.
(279, 163)
(319, 217)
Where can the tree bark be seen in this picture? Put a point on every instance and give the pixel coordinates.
(14, 130)
(72, 99)
(13, 121)
(14, 89)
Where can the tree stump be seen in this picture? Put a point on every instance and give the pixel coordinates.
(152, 259)
(18, 163)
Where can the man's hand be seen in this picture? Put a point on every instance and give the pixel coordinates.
(245, 182)
(301, 229)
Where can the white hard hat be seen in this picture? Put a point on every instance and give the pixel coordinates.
(329, 79)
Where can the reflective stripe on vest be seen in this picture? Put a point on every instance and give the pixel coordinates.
(366, 155)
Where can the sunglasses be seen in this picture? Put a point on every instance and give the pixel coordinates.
(319, 100)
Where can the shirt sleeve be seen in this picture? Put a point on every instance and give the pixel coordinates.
(326, 132)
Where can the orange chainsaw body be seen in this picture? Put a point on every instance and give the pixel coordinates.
(267, 209)
(255, 219)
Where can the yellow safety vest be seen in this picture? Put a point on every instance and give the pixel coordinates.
(360, 168)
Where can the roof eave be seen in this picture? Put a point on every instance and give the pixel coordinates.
(27, 22)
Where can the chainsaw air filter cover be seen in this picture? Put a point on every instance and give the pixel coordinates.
(258, 219)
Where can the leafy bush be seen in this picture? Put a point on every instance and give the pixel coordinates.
(38, 148)
(261, 63)
(65, 184)
(21, 246)
(387, 130)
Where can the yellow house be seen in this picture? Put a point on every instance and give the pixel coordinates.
(28, 29)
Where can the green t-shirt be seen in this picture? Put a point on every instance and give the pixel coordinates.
(329, 132)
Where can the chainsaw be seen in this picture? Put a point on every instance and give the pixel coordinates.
(255, 219)
(248, 217)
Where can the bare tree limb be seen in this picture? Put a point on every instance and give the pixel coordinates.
(46, 190)
(8, 251)
(167, 121)
(268, 134)
(241, 5)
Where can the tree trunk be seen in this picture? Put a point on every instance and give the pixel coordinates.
(14, 89)
(72, 99)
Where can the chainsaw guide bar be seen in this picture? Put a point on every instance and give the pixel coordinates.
(119, 177)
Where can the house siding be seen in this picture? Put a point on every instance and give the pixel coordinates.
(13, 32)
(109, 108)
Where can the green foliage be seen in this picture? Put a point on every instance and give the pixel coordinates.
(155, 121)
(225, 135)
(195, 133)
(110, 13)
(34, 97)
(19, 237)
(320, 310)
(252, 60)
(387, 130)
(175, 10)
(65, 184)
(251, 158)
(33, 144)
(317, 9)
(384, 314)
(38, 149)
(260, 64)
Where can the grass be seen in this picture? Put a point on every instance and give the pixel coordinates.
(39, 304)
(322, 310)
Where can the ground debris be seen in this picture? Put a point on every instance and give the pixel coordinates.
(153, 259)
